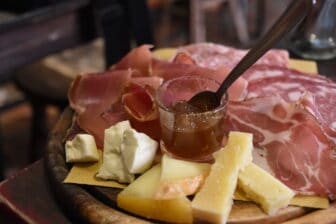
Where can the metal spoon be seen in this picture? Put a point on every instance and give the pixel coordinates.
(295, 12)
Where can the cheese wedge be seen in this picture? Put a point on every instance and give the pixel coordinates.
(113, 167)
(81, 149)
(165, 53)
(214, 201)
(310, 201)
(138, 151)
(139, 198)
(180, 178)
(264, 189)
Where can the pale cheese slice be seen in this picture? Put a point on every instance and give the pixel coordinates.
(113, 167)
(139, 198)
(138, 151)
(309, 201)
(264, 189)
(82, 148)
(180, 178)
(165, 53)
(214, 200)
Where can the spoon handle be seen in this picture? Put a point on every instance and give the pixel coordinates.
(294, 13)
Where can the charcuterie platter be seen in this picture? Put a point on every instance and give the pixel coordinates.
(96, 204)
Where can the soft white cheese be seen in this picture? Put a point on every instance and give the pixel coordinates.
(81, 149)
(114, 136)
(138, 151)
(113, 166)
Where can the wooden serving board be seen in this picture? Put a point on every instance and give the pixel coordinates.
(98, 204)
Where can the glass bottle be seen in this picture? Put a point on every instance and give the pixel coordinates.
(315, 37)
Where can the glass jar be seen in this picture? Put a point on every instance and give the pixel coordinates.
(186, 132)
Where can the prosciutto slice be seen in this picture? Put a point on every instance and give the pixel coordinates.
(214, 56)
(95, 99)
(169, 70)
(292, 145)
(138, 59)
(139, 103)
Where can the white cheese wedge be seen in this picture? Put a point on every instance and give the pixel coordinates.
(138, 198)
(180, 178)
(214, 200)
(81, 149)
(138, 151)
(113, 167)
(264, 189)
(113, 136)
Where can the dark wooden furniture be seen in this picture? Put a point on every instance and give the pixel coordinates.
(32, 35)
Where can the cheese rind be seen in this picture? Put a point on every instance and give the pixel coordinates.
(81, 149)
(180, 178)
(264, 189)
(138, 198)
(138, 151)
(214, 201)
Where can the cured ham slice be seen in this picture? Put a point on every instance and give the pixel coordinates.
(214, 56)
(95, 122)
(292, 145)
(291, 85)
(100, 90)
(152, 81)
(138, 59)
(95, 97)
(292, 117)
(169, 70)
(140, 104)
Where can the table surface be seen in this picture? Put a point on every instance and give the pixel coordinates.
(39, 206)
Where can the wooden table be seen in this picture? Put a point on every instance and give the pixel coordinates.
(32, 35)
(26, 197)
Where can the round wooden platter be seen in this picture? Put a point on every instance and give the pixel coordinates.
(98, 204)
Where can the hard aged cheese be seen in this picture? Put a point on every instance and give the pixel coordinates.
(138, 151)
(138, 198)
(113, 166)
(214, 201)
(81, 149)
(264, 189)
(310, 201)
(180, 178)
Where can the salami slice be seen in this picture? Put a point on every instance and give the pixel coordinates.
(210, 55)
(291, 144)
(292, 117)
(291, 85)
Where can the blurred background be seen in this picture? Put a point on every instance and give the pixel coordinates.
(44, 44)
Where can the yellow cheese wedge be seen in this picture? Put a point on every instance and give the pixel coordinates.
(264, 189)
(310, 201)
(180, 178)
(165, 53)
(214, 201)
(139, 198)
